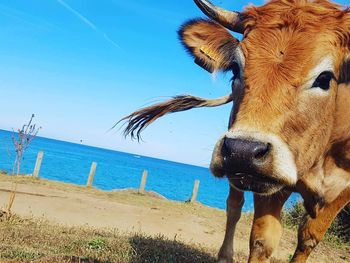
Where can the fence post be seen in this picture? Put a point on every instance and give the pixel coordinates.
(195, 191)
(91, 175)
(39, 159)
(143, 181)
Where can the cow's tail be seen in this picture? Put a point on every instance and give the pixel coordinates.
(137, 121)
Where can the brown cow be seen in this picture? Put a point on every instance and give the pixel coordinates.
(289, 129)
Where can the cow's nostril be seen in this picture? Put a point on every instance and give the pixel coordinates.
(261, 151)
(225, 149)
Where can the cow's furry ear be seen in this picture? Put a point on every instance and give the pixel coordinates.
(212, 46)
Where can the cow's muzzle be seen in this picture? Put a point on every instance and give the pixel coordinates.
(248, 163)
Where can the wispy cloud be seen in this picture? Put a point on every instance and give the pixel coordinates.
(87, 22)
(106, 37)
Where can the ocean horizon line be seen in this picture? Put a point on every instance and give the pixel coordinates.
(112, 150)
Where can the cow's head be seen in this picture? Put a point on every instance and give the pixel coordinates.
(286, 75)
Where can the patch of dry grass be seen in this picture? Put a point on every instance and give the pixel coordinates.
(37, 241)
(29, 240)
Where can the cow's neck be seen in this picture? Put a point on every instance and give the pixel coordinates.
(326, 180)
(337, 163)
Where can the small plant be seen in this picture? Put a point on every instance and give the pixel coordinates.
(21, 140)
(292, 216)
(96, 244)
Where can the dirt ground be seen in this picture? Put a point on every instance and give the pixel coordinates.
(128, 211)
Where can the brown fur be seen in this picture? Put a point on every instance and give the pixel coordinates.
(267, 220)
(234, 204)
(284, 40)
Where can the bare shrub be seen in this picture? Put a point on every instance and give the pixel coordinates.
(21, 140)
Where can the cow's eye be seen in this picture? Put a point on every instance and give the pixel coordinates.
(323, 81)
(235, 71)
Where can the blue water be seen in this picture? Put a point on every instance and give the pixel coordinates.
(70, 163)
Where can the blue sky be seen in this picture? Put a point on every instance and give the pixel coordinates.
(81, 65)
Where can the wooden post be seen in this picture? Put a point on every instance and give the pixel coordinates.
(143, 181)
(91, 175)
(195, 191)
(39, 159)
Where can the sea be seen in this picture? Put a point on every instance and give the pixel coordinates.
(70, 163)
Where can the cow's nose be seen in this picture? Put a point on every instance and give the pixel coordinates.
(242, 155)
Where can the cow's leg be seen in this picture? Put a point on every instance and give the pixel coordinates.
(234, 204)
(267, 227)
(312, 230)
